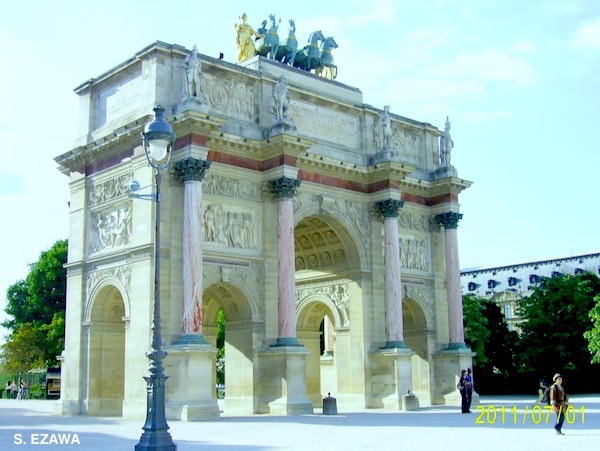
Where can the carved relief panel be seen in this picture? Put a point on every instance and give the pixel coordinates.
(110, 215)
(231, 97)
(337, 292)
(414, 253)
(230, 226)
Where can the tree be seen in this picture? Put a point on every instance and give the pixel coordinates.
(557, 315)
(500, 346)
(593, 335)
(22, 352)
(37, 306)
(477, 333)
(221, 323)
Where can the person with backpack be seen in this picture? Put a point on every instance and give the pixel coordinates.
(558, 399)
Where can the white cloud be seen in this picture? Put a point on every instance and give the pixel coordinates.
(587, 36)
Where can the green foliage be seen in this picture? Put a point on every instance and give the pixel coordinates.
(37, 306)
(487, 334)
(22, 352)
(221, 323)
(477, 333)
(36, 392)
(500, 348)
(593, 335)
(557, 315)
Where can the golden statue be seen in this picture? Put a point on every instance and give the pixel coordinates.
(244, 40)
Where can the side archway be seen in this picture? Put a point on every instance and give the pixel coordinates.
(239, 343)
(106, 353)
(417, 338)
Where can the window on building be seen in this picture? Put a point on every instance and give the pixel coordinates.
(507, 311)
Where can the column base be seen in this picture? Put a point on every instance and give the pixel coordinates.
(457, 346)
(191, 339)
(394, 376)
(282, 380)
(191, 388)
(192, 411)
(286, 341)
(448, 364)
(395, 344)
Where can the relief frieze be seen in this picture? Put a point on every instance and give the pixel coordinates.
(110, 228)
(229, 226)
(337, 292)
(232, 188)
(108, 190)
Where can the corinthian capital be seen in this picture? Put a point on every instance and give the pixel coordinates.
(389, 208)
(192, 169)
(448, 220)
(284, 187)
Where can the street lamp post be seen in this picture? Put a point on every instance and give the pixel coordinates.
(158, 139)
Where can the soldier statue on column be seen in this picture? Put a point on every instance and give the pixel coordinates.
(446, 145)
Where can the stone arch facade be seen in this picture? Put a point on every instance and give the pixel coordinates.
(284, 224)
(246, 281)
(350, 217)
(119, 278)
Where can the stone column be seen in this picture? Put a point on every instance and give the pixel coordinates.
(393, 285)
(284, 189)
(192, 171)
(455, 310)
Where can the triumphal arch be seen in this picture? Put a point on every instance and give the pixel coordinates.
(323, 228)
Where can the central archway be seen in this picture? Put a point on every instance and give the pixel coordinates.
(327, 259)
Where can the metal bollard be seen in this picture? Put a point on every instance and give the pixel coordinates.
(329, 405)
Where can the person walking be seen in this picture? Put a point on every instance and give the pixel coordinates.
(462, 388)
(8, 389)
(469, 384)
(558, 400)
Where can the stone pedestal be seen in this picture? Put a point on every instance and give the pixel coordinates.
(283, 128)
(191, 387)
(282, 381)
(447, 366)
(396, 364)
(192, 103)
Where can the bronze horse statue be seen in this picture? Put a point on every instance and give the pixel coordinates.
(269, 45)
(288, 47)
(309, 57)
(326, 68)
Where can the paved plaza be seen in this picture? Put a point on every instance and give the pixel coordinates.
(500, 423)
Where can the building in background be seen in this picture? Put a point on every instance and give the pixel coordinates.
(505, 285)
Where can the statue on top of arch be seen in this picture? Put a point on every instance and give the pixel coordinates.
(446, 145)
(316, 55)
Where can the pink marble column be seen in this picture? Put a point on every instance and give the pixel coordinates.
(284, 189)
(389, 209)
(192, 171)
(455, 308)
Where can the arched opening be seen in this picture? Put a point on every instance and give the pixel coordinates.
(106, 354)
(315, 328)
(326, 262)
(416, 336)
(225, 302)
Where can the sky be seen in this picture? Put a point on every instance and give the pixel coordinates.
(518, 79)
